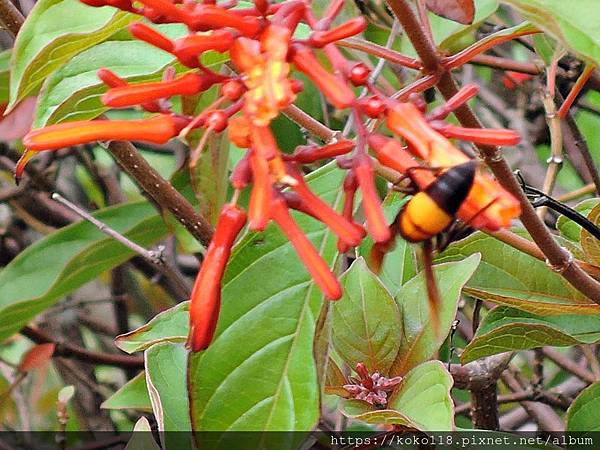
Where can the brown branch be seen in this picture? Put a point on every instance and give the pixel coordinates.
(10, 17)
(543, 414)
(480, 374)
(565, 363)
(66, 350)
(160, 190)
(484, 408)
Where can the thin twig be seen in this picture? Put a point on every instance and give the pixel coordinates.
(589, 351)
(565, 363)
(66, 350)
(151, 255)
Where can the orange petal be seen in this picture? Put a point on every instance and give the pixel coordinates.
(206, 294)
(313, 262)
(157, 130)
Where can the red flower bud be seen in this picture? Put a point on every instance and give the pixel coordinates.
(372, 106)
(487, 136)
(156, 130)
(460, 98)
(148, 34)
(347, 231)
(334, 88)
(322, 38)
(310, 153)
(378, 228)
(359, 74)
(111, 79)
(216, 120)
(261, 195)
(313, 262)
(241, 175)
(126, 96)
(206, 294)
(232, 90)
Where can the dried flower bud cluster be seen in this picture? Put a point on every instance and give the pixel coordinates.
(264, 53)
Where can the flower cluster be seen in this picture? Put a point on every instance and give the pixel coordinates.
(263, 50)
(371, 388)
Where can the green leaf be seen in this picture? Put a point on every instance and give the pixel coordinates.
(73, 91)
(69, 258)
(509, 277)
(505, 329)
(55, 31)
(424, 397)
(452, 35)
(365, 321)
(210, 176)
(418, 340)
(360, 410)
(259, 373)
(132, 395)
(589, 243)
(166, 379)
(576, 27)
(583, 414)
(171, 325)
(4, 76)
(571, 230)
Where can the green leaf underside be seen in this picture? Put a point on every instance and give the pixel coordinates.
(132, 395)
(509, 277)
(584, 412)
(268, 380)
(505, 329)
(171, 325)
(69, 258)
(576, 27)
(365, 321)
(418, 339)
(54, 31)
(421, 401)
(570, 229)
(166, 380)
(74, 91)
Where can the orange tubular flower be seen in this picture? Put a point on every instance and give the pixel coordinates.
(148, 34)
(488, 205)
(208, 17)
(334, 88)
(266, 73)
(346, 230)
(322, 38)
(126, 96)
(376, 224)
(191, 47)
(239, 131)
(206, 294)
(156, 130)
(487, 136)
(262, 192)
(313, 262)
(311, 153)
